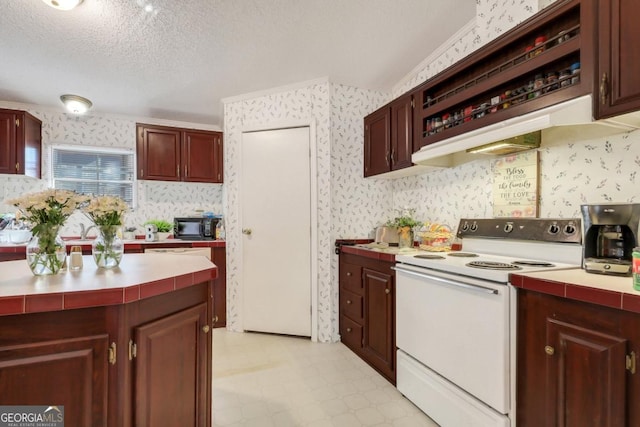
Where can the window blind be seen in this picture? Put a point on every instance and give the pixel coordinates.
(107, 172)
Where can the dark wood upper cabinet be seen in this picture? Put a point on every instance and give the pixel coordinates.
(201, 150)
(377, 142)
(401, 132)
(388, 137)
(618, 79)
(175, 154)
(159, 154)
(20, 143)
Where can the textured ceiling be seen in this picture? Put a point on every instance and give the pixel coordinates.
(178, 60)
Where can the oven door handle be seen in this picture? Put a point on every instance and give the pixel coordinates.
(442, 280)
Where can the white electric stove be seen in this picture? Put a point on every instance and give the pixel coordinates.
(455, 316)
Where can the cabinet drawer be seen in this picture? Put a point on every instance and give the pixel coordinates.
(351, 277)
(350, 333)
(351, 305)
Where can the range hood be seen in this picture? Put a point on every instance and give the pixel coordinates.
(519, 132)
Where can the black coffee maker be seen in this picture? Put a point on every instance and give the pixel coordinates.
(610, 234)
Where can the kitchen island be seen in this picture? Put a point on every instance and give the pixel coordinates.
(120, 347)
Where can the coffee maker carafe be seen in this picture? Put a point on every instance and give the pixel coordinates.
(610, 234)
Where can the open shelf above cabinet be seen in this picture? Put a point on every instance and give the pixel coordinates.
(545, 60)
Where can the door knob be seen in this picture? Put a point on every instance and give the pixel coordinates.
(246, 231)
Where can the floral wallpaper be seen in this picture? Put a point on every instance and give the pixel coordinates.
(155, 199)
(337, 111)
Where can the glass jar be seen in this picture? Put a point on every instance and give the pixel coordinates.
(46, 251)
(575, 73)
(506, 99)
(565, 78)
(539, 45)
(108, 247)
(552, 82)
(405, 237)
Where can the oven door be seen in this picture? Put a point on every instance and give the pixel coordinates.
(457, 327)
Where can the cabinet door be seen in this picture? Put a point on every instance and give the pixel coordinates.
(7, 143)
(29, 147)
(170, 370)
(158, 151)
(619, 56)
(585, 377)
(200, 151)
(220, 289)
(379, 316)
(68, 372)
(377, 142)
(401, 132)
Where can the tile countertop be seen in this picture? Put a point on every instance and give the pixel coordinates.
(129, 244)
(610, 291)
(139, 276)
(383, 254)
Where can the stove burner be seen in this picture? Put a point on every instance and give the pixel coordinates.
(490, 265)
(533, 263)
(462, 254)
(427, 256)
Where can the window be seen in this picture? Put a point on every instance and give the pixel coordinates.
(94, 171)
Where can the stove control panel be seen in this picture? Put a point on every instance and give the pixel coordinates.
(559, 230)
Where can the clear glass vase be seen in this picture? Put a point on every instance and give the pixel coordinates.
(108, 247)
(405, 237)
(46, 251)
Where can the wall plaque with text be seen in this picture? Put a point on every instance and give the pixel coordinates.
(515, 185)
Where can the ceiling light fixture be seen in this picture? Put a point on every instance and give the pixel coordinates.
(63, 4)
(76, 104)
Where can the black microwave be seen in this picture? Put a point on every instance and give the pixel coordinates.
(195, 228)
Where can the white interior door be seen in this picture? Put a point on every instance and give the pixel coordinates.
(276, 223)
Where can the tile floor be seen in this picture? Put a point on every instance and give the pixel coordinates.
(270, 380)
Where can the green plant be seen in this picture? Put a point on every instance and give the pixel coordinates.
(404, 220)
(162, 225)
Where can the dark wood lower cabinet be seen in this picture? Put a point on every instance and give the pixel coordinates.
(219, 258)
(57, 359)
(146, 363)
(575, 363)
(379, 343)
(367, 311)
(170, 361)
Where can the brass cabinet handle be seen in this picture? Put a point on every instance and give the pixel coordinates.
(393, 155)
(631, 362)
(178, 171)
(604, 89)
(388, 157)
(348, 329)
(205, 329)
(17, 167)
(112, 353)
(387, 291)
(247, 231)
(141, 172)
(348, 273)
(348, 301)
(215, 319)
(549, 350)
